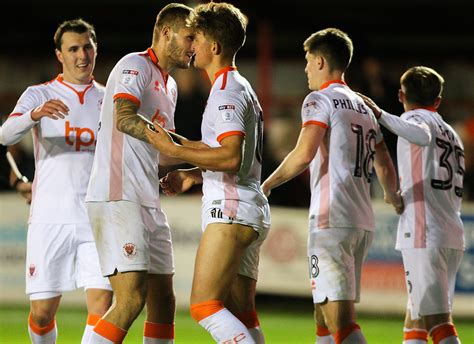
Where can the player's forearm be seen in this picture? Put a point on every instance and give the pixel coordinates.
(125, 112)
(386, 172)
(293, 165)
(16, 127)
(412, 132)
(214, 159)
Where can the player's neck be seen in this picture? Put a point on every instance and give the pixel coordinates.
(71, 80)
(217, 66)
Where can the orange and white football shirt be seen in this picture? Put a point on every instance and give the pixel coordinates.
(126, 168)
(233, 109)
(63, 148)
(342, 169)
(431, 180)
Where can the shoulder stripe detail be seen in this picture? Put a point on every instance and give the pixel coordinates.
(321, 124)
(229, 133)
(16, 114)
(127, 96)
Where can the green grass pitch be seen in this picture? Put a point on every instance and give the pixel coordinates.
(279, 325)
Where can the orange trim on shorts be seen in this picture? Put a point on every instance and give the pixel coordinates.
(110, 331)
(415, 334)
(442, 331)
(249, 319)
(340, 335)
(205, 309)
(92, 319)
(41, 331)
(322, 331)
(229, 133)
(158, 331)
(319, 124)
(127, 96)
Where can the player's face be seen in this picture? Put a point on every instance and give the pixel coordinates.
(310, 70)
(179, 48)
(77, 55)
(202, 48)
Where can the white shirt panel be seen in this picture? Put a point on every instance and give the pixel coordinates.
(342, 169)
(63, 150)
(233, 108)
(431, 179)
(126, 168)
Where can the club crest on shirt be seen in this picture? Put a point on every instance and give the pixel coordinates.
(32, 270)
(129, 76)
(227, 112)
(129, 250)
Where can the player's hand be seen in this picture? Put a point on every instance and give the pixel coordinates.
(25, 190)
(159, 138)
(176, 182)
(371, 104)
(266, 190)
(396, 200)
(54, 109)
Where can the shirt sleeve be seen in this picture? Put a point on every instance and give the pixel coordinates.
(133, 76)
(410, 126)
(228, 110)
(19, 122)
(315, 111)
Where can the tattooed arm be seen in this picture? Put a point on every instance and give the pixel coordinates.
(128, 122)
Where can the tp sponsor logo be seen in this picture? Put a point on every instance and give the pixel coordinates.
(78, 137)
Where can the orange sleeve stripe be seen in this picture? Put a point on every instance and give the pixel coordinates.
(322, 331)
(202, 310)
(40, 331)
(92, 319)
(127, 96)
(229, 133)
(158, 331)
(443, 331)
(16, 114)
(110, 331)
(249, 319)
(415, 334)
(321, 124)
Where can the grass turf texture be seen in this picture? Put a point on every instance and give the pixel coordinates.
(279, 325)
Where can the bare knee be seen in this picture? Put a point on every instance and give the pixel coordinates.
(98, 301)
(43, 313)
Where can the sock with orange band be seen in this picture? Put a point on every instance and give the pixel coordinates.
(155, 333)
(323, 336)
(444, 334)
(220, 323)
(42, 335)
(250, 320)
(107, 333)
(92, 319)
(414, 336)
(350, 334)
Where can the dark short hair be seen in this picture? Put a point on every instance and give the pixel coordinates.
(76, 25)
(223, 22)
(334, 45)
(422, 85)
(174, 15)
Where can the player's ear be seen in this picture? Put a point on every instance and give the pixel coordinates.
(401, 96)
(437, 102)
(59, 55)
(320, 62)
(166, 32)
(216, 48)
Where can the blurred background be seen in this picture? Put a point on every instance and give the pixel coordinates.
(388, 37)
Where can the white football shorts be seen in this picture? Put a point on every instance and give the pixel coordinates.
(131, 237)
(335, 257)
(61, 257)
(430, 276)
(251, 215)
